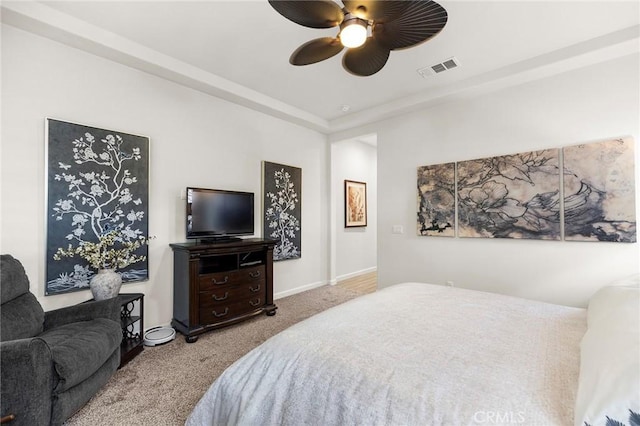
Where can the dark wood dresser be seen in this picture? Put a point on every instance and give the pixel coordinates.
(219, 284)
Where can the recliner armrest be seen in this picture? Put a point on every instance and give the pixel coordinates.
(27, 381)
(109, 308)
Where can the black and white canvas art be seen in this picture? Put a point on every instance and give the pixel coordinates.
(282, 207)
(599, 191)
(97, 181)
(510, 196)
(436, 200)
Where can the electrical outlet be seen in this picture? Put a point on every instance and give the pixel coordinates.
(397, 229)
(449, 283)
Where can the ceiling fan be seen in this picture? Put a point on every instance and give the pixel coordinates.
(369, 29)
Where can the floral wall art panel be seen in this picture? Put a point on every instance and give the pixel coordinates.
(282, 207)
(599, 191)
(355, 204)
(436, 200)
(97, 182)
(510, 196)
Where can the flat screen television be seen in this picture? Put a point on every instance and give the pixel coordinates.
(214, 214)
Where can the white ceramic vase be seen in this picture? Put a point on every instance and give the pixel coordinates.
(105, 284)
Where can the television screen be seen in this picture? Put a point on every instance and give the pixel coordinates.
(214, 213)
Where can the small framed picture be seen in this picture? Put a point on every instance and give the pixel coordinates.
(355, 204)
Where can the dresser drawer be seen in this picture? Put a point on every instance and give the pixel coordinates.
(224, 312)
(231, 278)
(224, 295)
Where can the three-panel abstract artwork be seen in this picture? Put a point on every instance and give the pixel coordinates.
(577, 193)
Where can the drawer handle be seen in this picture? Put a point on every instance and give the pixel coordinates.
(226, 280)
(226, 294)
(217, 315)
(255, 290)
(254, 303)
(254, 274)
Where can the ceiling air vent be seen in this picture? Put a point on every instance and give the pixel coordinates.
(438, 68)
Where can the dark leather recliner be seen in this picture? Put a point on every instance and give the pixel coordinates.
(52, 362)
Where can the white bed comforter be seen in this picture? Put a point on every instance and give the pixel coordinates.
(411, 354)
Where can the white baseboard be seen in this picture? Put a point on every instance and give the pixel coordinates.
(281, 294)
(356, 273)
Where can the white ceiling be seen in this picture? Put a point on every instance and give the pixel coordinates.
(239, 50)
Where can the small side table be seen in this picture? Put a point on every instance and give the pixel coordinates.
(132, 340)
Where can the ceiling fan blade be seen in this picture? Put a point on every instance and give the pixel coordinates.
(310, 13)
(379, 10)
(419, 22)
(316, 50)
(366, 60)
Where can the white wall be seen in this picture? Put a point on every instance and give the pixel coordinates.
(195, 140)
(203, 141)
(355, 248)
(588, 104)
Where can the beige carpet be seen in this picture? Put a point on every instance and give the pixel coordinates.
(163, 384)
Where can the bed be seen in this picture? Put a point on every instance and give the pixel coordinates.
(410, 354)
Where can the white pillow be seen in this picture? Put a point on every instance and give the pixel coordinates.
(629, 281)
(609, 384)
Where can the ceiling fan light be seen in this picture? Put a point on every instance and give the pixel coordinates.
(353, 33)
